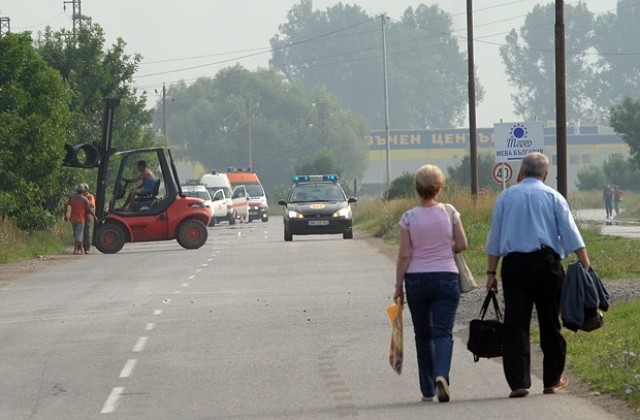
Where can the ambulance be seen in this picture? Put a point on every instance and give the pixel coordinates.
(258, 207)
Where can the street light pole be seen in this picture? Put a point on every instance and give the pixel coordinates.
(387, 178)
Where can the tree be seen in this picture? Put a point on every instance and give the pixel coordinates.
(341, 49)
(591, 178)
(241, 117)
(621, 172)
(462, 174)
(529, 61)
(403, 186)
(323, 162)
(625, 120)
(618, 71)
(94, 73)
(33, 117)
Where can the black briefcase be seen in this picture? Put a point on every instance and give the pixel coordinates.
(485, 335)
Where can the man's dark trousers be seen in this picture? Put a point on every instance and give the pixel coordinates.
(530, 279)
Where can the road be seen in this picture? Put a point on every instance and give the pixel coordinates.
(624, 228)
(247, 327)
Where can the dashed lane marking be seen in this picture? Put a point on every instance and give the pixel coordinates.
(139, 346)
(112, 401)
(127, 370)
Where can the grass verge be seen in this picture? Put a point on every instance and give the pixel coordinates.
(607, 359)
(16, 245)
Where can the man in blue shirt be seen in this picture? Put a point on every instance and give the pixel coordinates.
(532, 229)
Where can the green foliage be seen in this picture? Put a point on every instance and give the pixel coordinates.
(33, 117)
(95, 72)
(402, 187)
(427, 74)
(608, 358)
(462, 174)
(242, 116)
(591, 178)
(529, 62)
(625, 119)
(323, 162)
(621, 172)
(614, 171)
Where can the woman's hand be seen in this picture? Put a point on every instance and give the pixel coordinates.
(399, 294)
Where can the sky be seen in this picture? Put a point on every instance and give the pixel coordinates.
(187, 39)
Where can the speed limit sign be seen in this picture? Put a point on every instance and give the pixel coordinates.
(502, 173)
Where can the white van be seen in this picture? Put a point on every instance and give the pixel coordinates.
(214, 182)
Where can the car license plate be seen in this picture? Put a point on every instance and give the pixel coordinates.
(318, 222)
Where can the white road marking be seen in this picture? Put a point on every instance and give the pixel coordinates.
(199, 270)
(149, 326)
(157, 312)
(112, 401)
(127, 370)
(177, 292)
(209, 259)
(185, 284)
(139, 346)
(205, 265)
(192, 277)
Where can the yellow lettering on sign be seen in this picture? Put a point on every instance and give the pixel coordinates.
(404, 139)
(393, 139)
(381, 140)
(437, 139)
(416, 139)
(369, 140)
(461, 138)
(483, 138)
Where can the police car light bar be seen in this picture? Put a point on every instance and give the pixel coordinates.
(236, 169)
(307, 178)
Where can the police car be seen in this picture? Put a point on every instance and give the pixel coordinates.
(317, 204)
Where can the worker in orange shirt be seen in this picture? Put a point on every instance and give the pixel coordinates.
(76, 210)
(86, 235)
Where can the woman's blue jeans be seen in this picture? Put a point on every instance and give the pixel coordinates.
(433, 301)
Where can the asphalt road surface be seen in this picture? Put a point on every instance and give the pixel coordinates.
(246, 327)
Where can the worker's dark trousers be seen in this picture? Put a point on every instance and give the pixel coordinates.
(528, 279)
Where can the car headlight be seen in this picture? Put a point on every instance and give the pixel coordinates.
(294, 215)
(345, 212)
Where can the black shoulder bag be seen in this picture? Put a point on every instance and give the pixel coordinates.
(485, 335)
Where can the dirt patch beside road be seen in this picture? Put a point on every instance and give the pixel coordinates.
(13, 271)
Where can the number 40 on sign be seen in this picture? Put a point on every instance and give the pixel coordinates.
(502, 173)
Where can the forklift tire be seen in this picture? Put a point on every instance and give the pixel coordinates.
(110, 238)
(192, 234)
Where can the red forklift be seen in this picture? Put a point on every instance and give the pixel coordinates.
(163, 214)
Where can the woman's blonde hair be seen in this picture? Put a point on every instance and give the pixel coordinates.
(429, 181)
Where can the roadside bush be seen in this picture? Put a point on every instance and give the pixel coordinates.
(401, 187)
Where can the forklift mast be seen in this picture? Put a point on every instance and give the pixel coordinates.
(105, 152)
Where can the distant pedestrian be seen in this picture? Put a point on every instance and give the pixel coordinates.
(617, 198)
(86, 237)
(428, 241)
(76, 211)
(607, 197)
(532, 229)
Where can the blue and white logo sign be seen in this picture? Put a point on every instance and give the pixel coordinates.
(516, 140)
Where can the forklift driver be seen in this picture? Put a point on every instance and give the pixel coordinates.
(148, 183)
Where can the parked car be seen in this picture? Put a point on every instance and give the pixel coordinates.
(200, 191)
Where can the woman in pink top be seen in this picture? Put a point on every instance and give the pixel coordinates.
(428, 239)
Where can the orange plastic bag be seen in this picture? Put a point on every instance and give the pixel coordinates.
(395, 349)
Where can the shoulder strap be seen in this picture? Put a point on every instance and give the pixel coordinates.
(449, 210)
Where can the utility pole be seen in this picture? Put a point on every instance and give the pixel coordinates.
(322, 110)
(164, 110)
(387, 177)
(473, 148)
(249, 133)
(5, 25)
(76, 15)
(561, 100)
